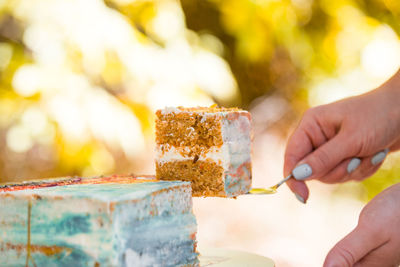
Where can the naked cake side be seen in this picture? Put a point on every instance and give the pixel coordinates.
(210, 147)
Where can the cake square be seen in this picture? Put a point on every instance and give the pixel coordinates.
(103, 221)
(210, 147)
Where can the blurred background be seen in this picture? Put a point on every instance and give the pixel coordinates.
(80, 81)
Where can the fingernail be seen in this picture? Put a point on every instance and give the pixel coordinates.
(302, 171)
(353, 164)
(300, 198)
(379, 157)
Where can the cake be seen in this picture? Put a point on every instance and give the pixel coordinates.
(103, 221)
(210, 147)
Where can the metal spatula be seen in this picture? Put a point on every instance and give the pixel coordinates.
(300, 173)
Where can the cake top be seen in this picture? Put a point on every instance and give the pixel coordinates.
(211, 109)
(112, 188)
(69, 180)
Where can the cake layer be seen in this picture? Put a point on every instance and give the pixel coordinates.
(181, 149)
(120, 221)
(204, 175)
(188, 129)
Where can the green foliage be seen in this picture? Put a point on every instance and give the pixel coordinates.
(279, 48)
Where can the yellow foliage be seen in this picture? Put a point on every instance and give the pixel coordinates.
(98, 70)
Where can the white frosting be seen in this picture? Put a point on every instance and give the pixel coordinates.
(168, 110)
(205, 113)
(219, 155)
(236, 141)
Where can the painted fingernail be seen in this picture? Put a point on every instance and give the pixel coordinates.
(302, 171)
(353, 164)
(300, 198)
(379, 157)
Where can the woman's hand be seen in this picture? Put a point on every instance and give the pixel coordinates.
(376, 239)
(330, 136)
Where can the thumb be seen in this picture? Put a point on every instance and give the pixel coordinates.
(352, 248)
(329, 155)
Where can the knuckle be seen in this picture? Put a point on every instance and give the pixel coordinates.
(351, 143)
(316, 134)
(322, 159)
(365, 143)
(354, 145)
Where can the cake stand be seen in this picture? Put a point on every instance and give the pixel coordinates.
(219, 257)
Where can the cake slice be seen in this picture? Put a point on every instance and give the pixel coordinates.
(210, 147)
(104, 221)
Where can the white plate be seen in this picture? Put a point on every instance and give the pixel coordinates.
(218, 257)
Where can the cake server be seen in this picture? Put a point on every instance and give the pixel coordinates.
(269, 190)
(299, 173)
(304, 171)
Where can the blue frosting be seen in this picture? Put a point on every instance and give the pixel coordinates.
(104, 192)
(99, 225)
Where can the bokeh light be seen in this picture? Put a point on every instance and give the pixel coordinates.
(80, 81)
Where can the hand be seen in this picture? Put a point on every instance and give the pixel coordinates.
(329, 136)
(376, 239)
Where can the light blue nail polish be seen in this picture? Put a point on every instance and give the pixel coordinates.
(300, 198)
(302, 172)
(379, 157)
(353, 164)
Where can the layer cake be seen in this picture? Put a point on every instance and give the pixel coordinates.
(210, 147)
(104, 221)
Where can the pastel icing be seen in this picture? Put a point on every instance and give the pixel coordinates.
(105, 221)
(236, 133)
(234, 155)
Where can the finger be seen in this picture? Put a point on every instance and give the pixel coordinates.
(354, 169)
(300, 189)
(298, 146)
(329, 155)
(385, 255)
(361, 174)
(339, 173)
(367, 168)
(353, 247)
(307, 136)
